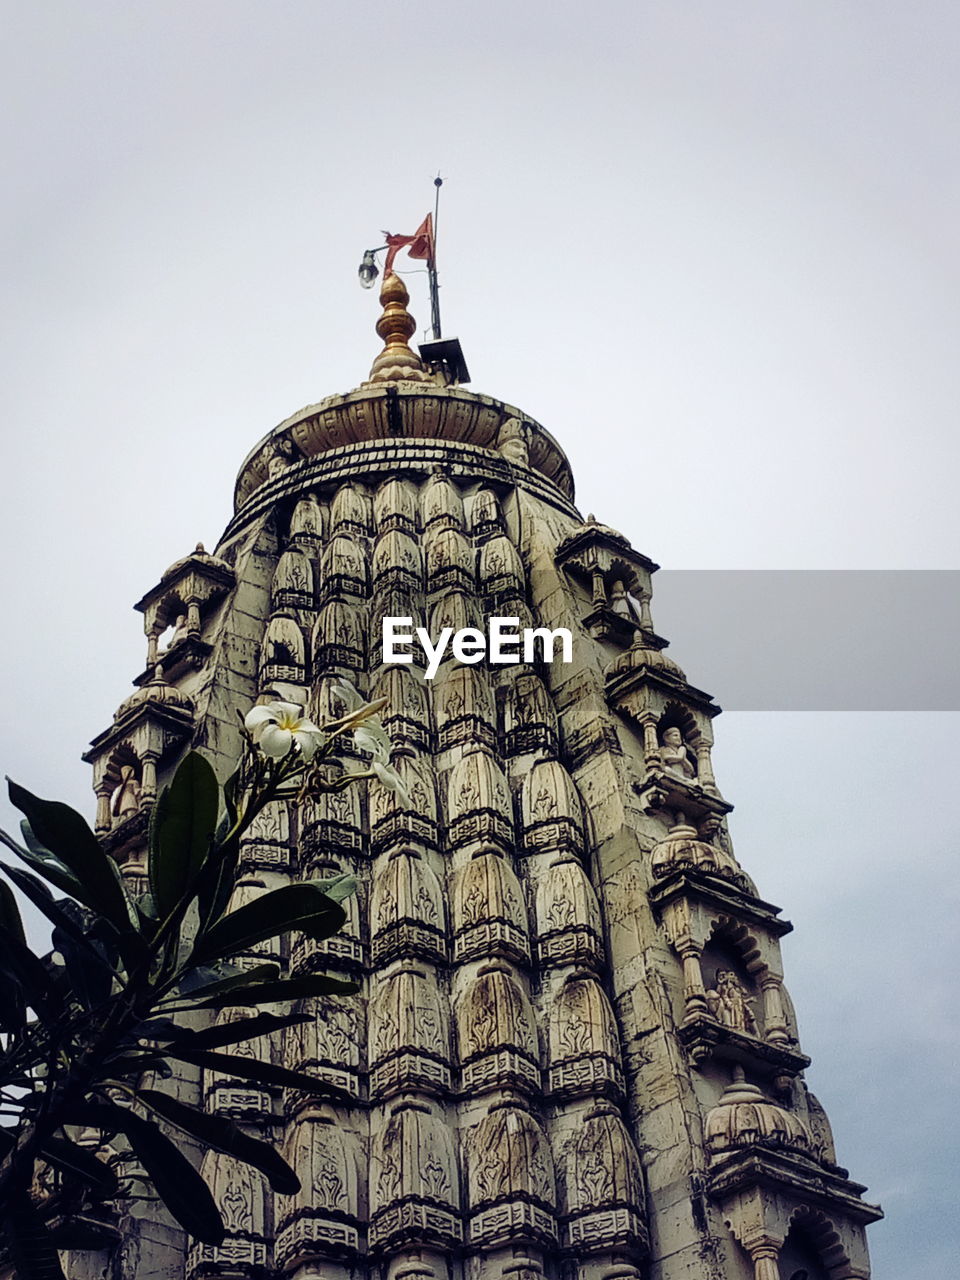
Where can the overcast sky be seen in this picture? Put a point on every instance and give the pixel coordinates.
(711, 247)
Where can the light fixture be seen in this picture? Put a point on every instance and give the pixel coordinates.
(368, 269)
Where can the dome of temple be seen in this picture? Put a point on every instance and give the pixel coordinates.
(201, 555)
(744, 1117)
(684, 850)
(642, 655)
(157, 692)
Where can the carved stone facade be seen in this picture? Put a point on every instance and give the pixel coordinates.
(574, 1055)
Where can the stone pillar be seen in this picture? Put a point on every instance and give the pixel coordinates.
(704, 767)
(193, 617)
(764, 1259)
(774, 1018)
(103, 820)
(694, 994)
(153, 639)
(148, 783)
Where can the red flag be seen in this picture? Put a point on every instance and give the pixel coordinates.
(419, 245)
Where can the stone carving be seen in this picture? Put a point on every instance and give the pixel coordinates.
(488, 911)
(494, 1018)
(450, 559)
(441, 504)
(512, 443)
(508, 1156)
(568, 916)
(321, 1217)
(485, 518)
(392, 818)
(478, 801)
(306, 524)
(604, 1185)
(343, 569)
(455, 610)
(675, 755)
(409, 1038)
(293, 580)
(744, 1117)
(395, 506)
(328, 1045)
(350, 511)
(240, 1195)
(343, 947)
(584, 1049)
(397, 560)
(551, 809)
(729, 1003)
(414, 1184)
(338, 636)
(501, 569)
(283, 654)
(406, 909)
(464, 706)
(282, 457)
(125, 801)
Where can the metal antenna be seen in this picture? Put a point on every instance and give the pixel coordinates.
(432, 266)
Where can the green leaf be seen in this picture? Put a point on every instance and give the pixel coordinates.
(266, 1073)
(174, 1178)
(183, 824)
(234, 1032)
(339, 888)
(223, 1135)
(33, 1249)
(65, 833)
(28, 980)
(222, 976)
(81, 1163)
(296, 906)
(313, 984)
(44, 863)
(58, 913)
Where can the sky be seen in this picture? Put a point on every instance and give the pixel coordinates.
(711, 248)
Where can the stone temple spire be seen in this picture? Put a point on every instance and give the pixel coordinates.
(573, 1056)
(396, 362)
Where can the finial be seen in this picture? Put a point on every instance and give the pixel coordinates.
(396, 362)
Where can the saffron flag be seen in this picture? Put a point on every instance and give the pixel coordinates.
(419, 245)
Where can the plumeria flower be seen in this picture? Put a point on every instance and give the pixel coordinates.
(279, 726)
(372, 737)
(388, 777)
(357, 710)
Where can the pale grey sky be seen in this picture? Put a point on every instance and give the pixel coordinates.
(712, 248)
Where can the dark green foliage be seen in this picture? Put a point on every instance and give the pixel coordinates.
(82, 1026)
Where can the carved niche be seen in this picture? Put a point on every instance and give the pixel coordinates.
(406, 909)
(409, 1035)
(343, 570)
(530, 718)
(584, 1050)
(478, 803)
(338, 637)
(440, 504)
(464, 708)
(323, 1216)
(395, 506)
(293, 581)
(496, 1034)
(240, 1194)
(397, 563)
(327, 1046)
(486, 520)
(185, 598)
(489, 917)
(450, 560)
(603, 1186)
(551, 810)
(230, 1096)
(266, 843)
(350, 511)
(406, 717)
(511, 1180)
(283, 653)
(414, 1188)
(394, 821)
(568, 917)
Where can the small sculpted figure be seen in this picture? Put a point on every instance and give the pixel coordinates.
(126, 798)
(675, 754)
(730, 1004)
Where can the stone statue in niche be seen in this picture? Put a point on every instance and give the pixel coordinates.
(729, 1003)
(675, 755)
(180, 632)
(126, 798)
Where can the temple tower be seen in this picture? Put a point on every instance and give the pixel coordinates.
(574, 1055)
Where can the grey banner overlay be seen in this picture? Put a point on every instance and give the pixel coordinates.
(815, 640)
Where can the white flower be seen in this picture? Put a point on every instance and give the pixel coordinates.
(277, 726)
(388, 777)
(372, 737)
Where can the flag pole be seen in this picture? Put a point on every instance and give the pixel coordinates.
(432, 266)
